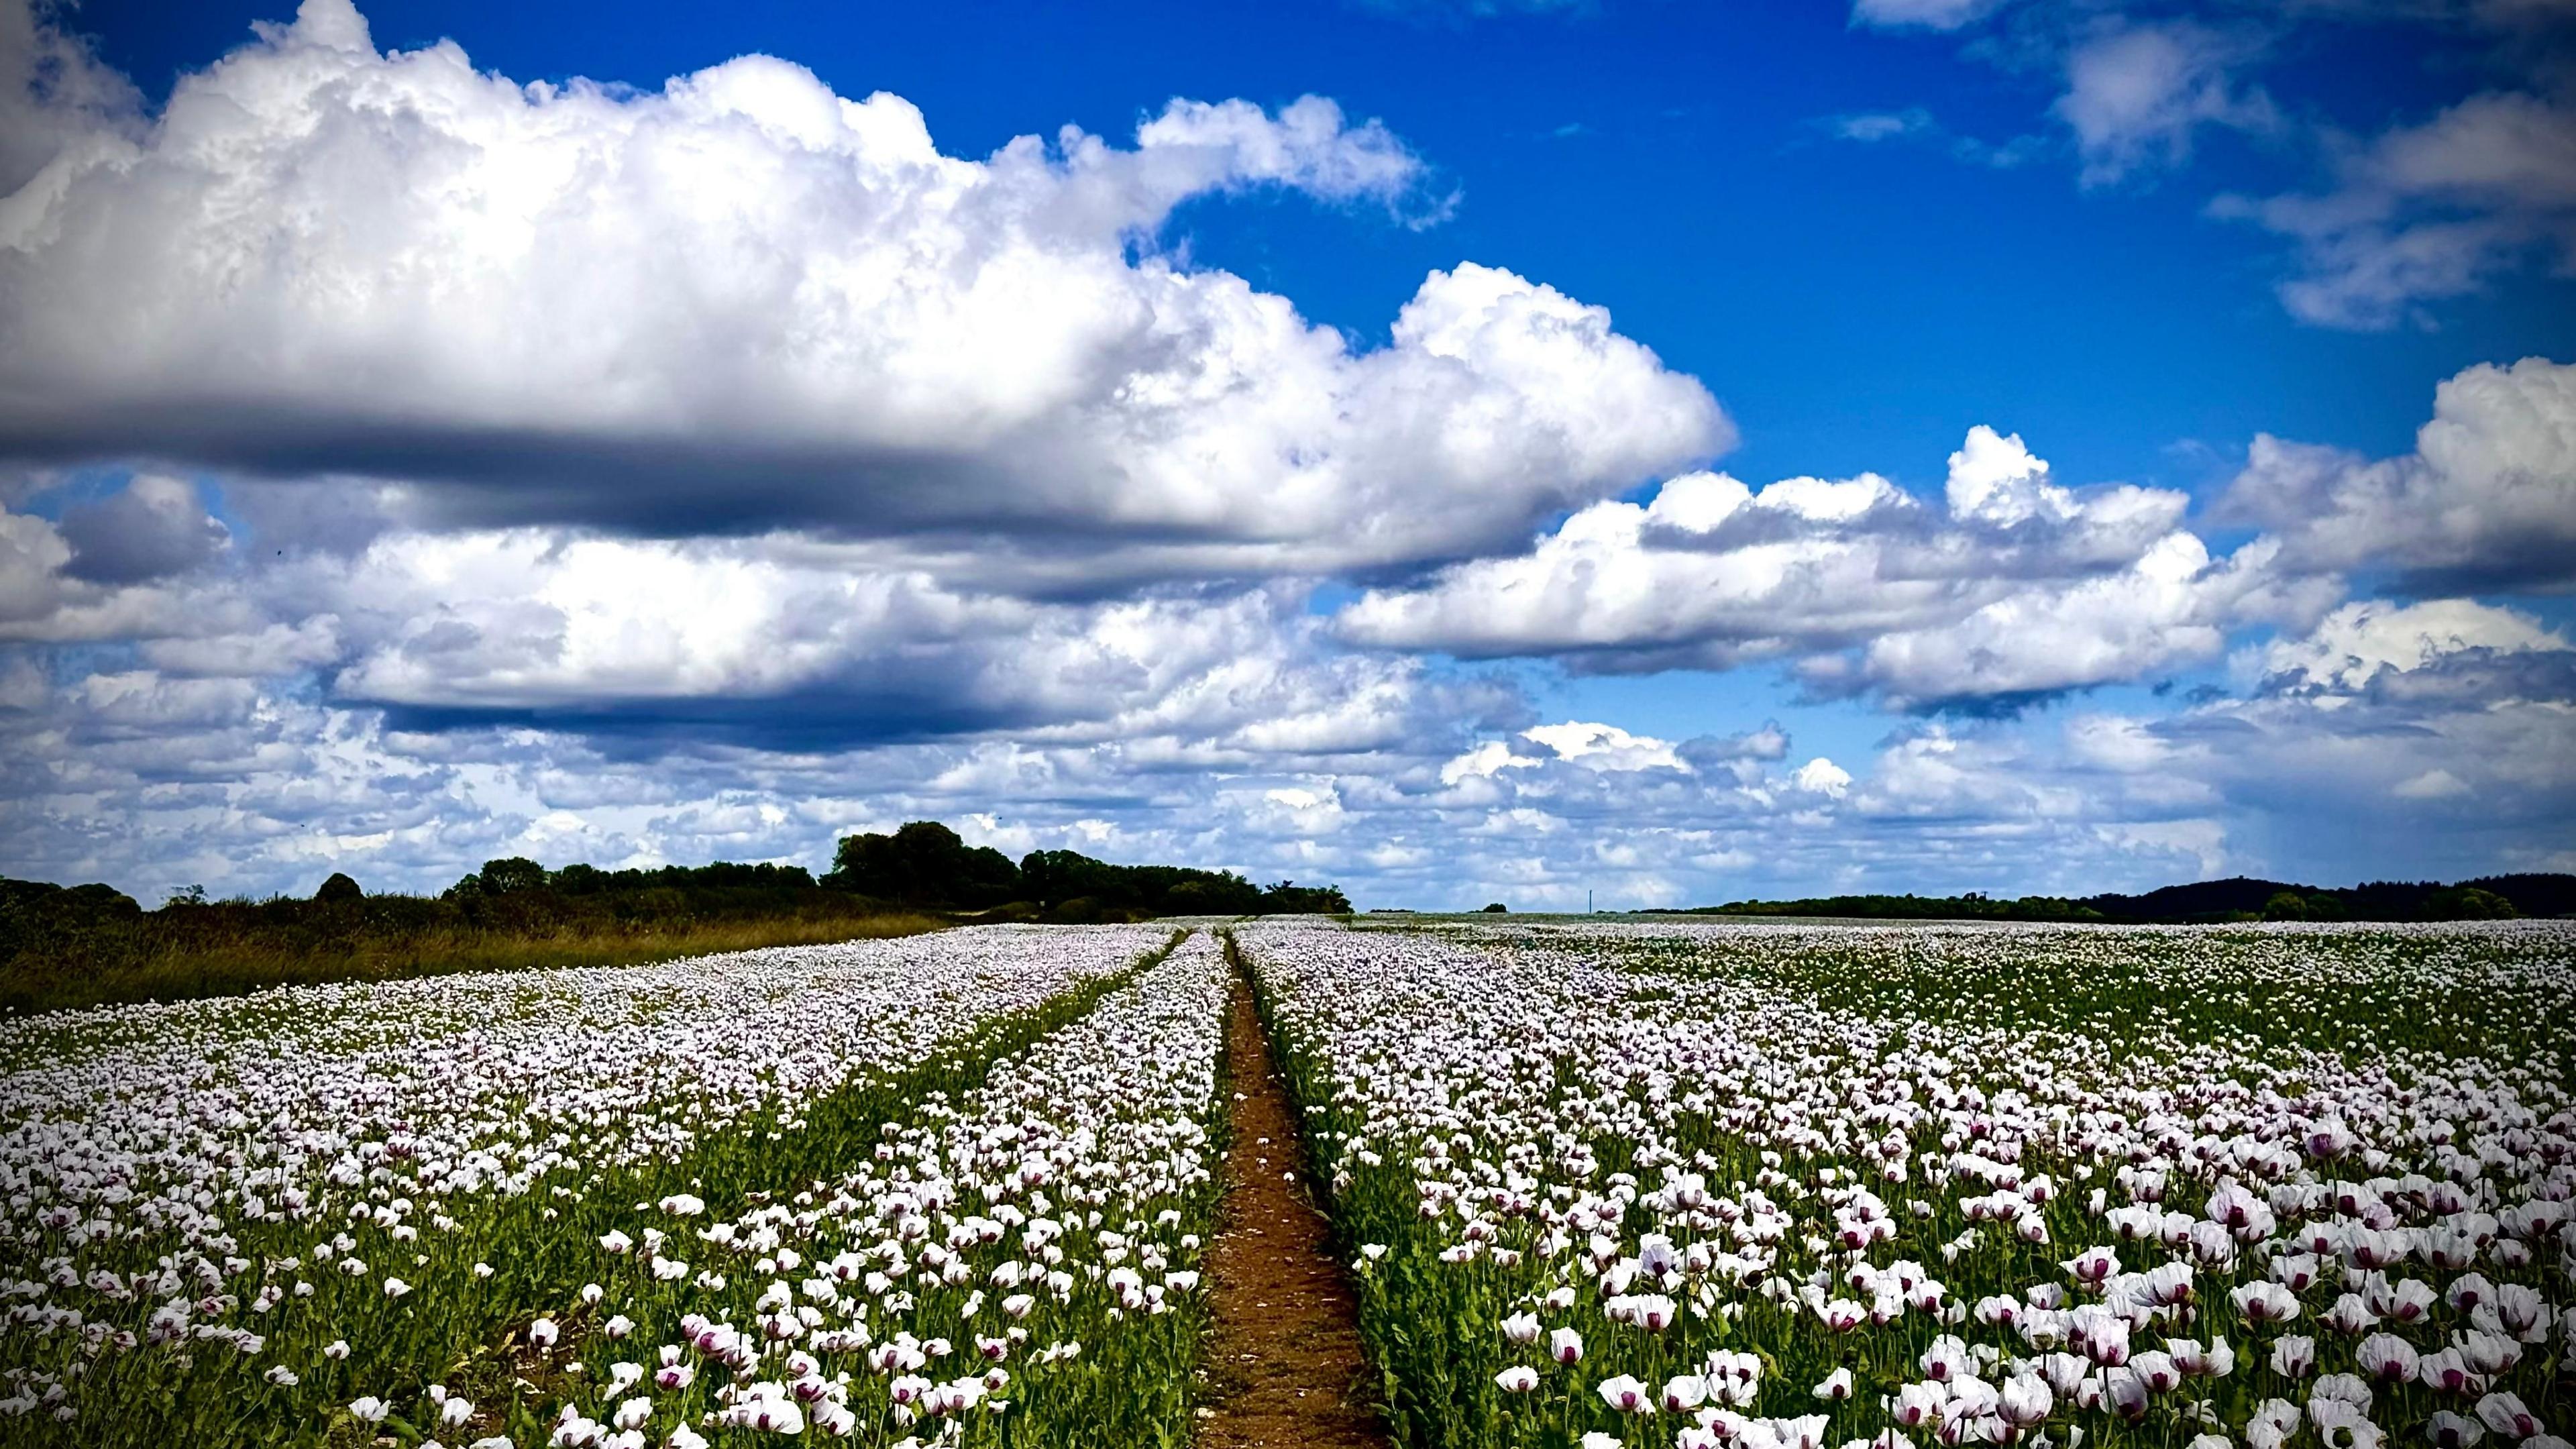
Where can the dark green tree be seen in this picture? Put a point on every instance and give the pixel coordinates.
(2468, 903)
(924, 863)
(2287, 906)
(512, 874)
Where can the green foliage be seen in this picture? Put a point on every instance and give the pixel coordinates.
(2468, 903)
(925, 864)
(87, 944)
(1497, 908)
(1972, 906)
(506, 877)
(2287, 906)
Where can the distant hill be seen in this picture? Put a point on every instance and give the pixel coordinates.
(2238, 898)
(2381, 900)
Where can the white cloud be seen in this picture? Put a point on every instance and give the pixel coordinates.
(764, 636)
(53, 94)
(577, 303)
(2016, 586)
(2358, 641)
(1821, 776)
(2137, 92)
(1925, 14)
(2114, 742)
(2416, 213)
(2431, 785)
(2170, 608)
(150, 780)
(1482, 761)
(1869, 126)
(1916, 124)
(2202, 842)
(2429, 211)
(1995, 479)
(1606, 747)
(98, 575)
(2487, 498)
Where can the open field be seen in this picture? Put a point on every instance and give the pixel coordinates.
(1794, 1186)
(1588, 1183)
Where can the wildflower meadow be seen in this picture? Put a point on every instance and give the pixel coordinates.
(1595, 1182)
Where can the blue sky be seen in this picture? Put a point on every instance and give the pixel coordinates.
(355, 534)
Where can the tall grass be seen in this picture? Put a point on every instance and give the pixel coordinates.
(232, 948)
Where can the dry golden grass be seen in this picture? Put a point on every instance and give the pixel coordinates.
(234, 963)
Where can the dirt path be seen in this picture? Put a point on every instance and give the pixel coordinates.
(1285, 1361)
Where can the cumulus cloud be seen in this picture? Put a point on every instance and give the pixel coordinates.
(149, 780)
(2014, 586)
(784, 642)
(1483, 761)
(2359, 641)
(151, 528)
(2440, 733)
(87, 579)
(54, 94)
(2172, 606)
(743, 303)
(1606, 747)
(1821, 776)
(2486, 500)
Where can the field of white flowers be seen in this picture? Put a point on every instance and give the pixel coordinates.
(874, 1190)
(1775, 1187)
(1786, 1187)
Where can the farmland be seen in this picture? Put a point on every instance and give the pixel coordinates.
(1591, 1182)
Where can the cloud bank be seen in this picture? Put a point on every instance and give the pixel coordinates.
(402, 465)
(744, 303)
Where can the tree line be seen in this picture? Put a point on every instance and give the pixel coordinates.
(65, 945)
(924, 863)
(2236, 899)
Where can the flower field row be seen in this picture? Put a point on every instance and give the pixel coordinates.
(254, 1213)
(1691, 1187)
(1018, 1265)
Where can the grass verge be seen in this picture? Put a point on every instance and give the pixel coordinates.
(177, 965)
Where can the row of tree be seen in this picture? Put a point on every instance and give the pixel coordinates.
(2239, 898)
(922, 866)
(924, 863)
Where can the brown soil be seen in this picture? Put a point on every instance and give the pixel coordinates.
(1285, 1362)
